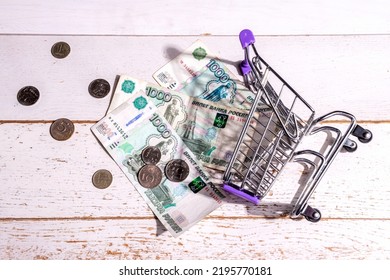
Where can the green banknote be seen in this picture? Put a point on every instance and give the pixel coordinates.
(126, 131)
(209, 129)
(198, 72)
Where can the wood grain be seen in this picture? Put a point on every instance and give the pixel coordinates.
(220, 17)
(141, 239)
(348, 73)
(49, 208)
(44, 178)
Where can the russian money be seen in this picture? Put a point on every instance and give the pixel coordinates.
(28, 95)
(199, 73)
(99, 88)
(126, 131)
(62, 129)
(149, 176)
(102, 179)
(209, 129)
(60, 50)
(151, 155)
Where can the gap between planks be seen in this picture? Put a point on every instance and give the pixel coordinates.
(95, 121)
(195, 35)
(41, 219)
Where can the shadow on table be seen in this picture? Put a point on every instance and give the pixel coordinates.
(173, 52)
(273, 210)
(278, 210)
(117, 77)
(269, 210)
(160, 228)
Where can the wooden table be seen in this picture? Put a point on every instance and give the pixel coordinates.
(49, 208)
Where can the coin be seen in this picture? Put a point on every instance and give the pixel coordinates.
(151, 155)
(102, 179)
(60, 50)
(61, 129)
(99, 88)
(177, 170)
(149, 176)
(28, 95)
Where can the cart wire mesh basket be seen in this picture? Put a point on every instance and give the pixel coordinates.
(277, 121)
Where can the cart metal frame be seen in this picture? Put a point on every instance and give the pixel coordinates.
(269, 138)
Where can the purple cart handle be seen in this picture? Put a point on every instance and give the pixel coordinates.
(246, 38)
(245, 67)
(241, 194)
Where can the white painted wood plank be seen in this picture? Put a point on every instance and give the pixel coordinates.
(44, 178)
(350, 73)
(210, 239)
(147, 17)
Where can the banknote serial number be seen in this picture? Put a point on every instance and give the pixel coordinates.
(241, 270)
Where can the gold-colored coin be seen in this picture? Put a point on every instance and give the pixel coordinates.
(61, 129)
(60, 50)
(102, 179)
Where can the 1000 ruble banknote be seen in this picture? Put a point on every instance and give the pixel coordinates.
(135, 125)
(209, 129)
(199, 73)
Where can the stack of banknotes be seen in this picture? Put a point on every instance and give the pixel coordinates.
(168, 138)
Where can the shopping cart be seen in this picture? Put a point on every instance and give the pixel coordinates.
(270, 138)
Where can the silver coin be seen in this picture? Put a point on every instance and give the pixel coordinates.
(151, 155)
(102, 179)
(28, 95)
(149, 176)
(99, 88)
(177, 170)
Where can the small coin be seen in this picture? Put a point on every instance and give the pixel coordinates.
(149, 176)
(99, 88)
(102, 179)
(60, 50)
(151, 155)
(177, 170)
(28, 95)
(61, 129)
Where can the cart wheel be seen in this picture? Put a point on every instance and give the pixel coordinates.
(350, 146)
(366, 136)
(315, 216)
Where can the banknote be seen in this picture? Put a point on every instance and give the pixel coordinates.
(209, 129)
(198, 72)
(126, 132)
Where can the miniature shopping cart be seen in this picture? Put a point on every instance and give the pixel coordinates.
(278, 120)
